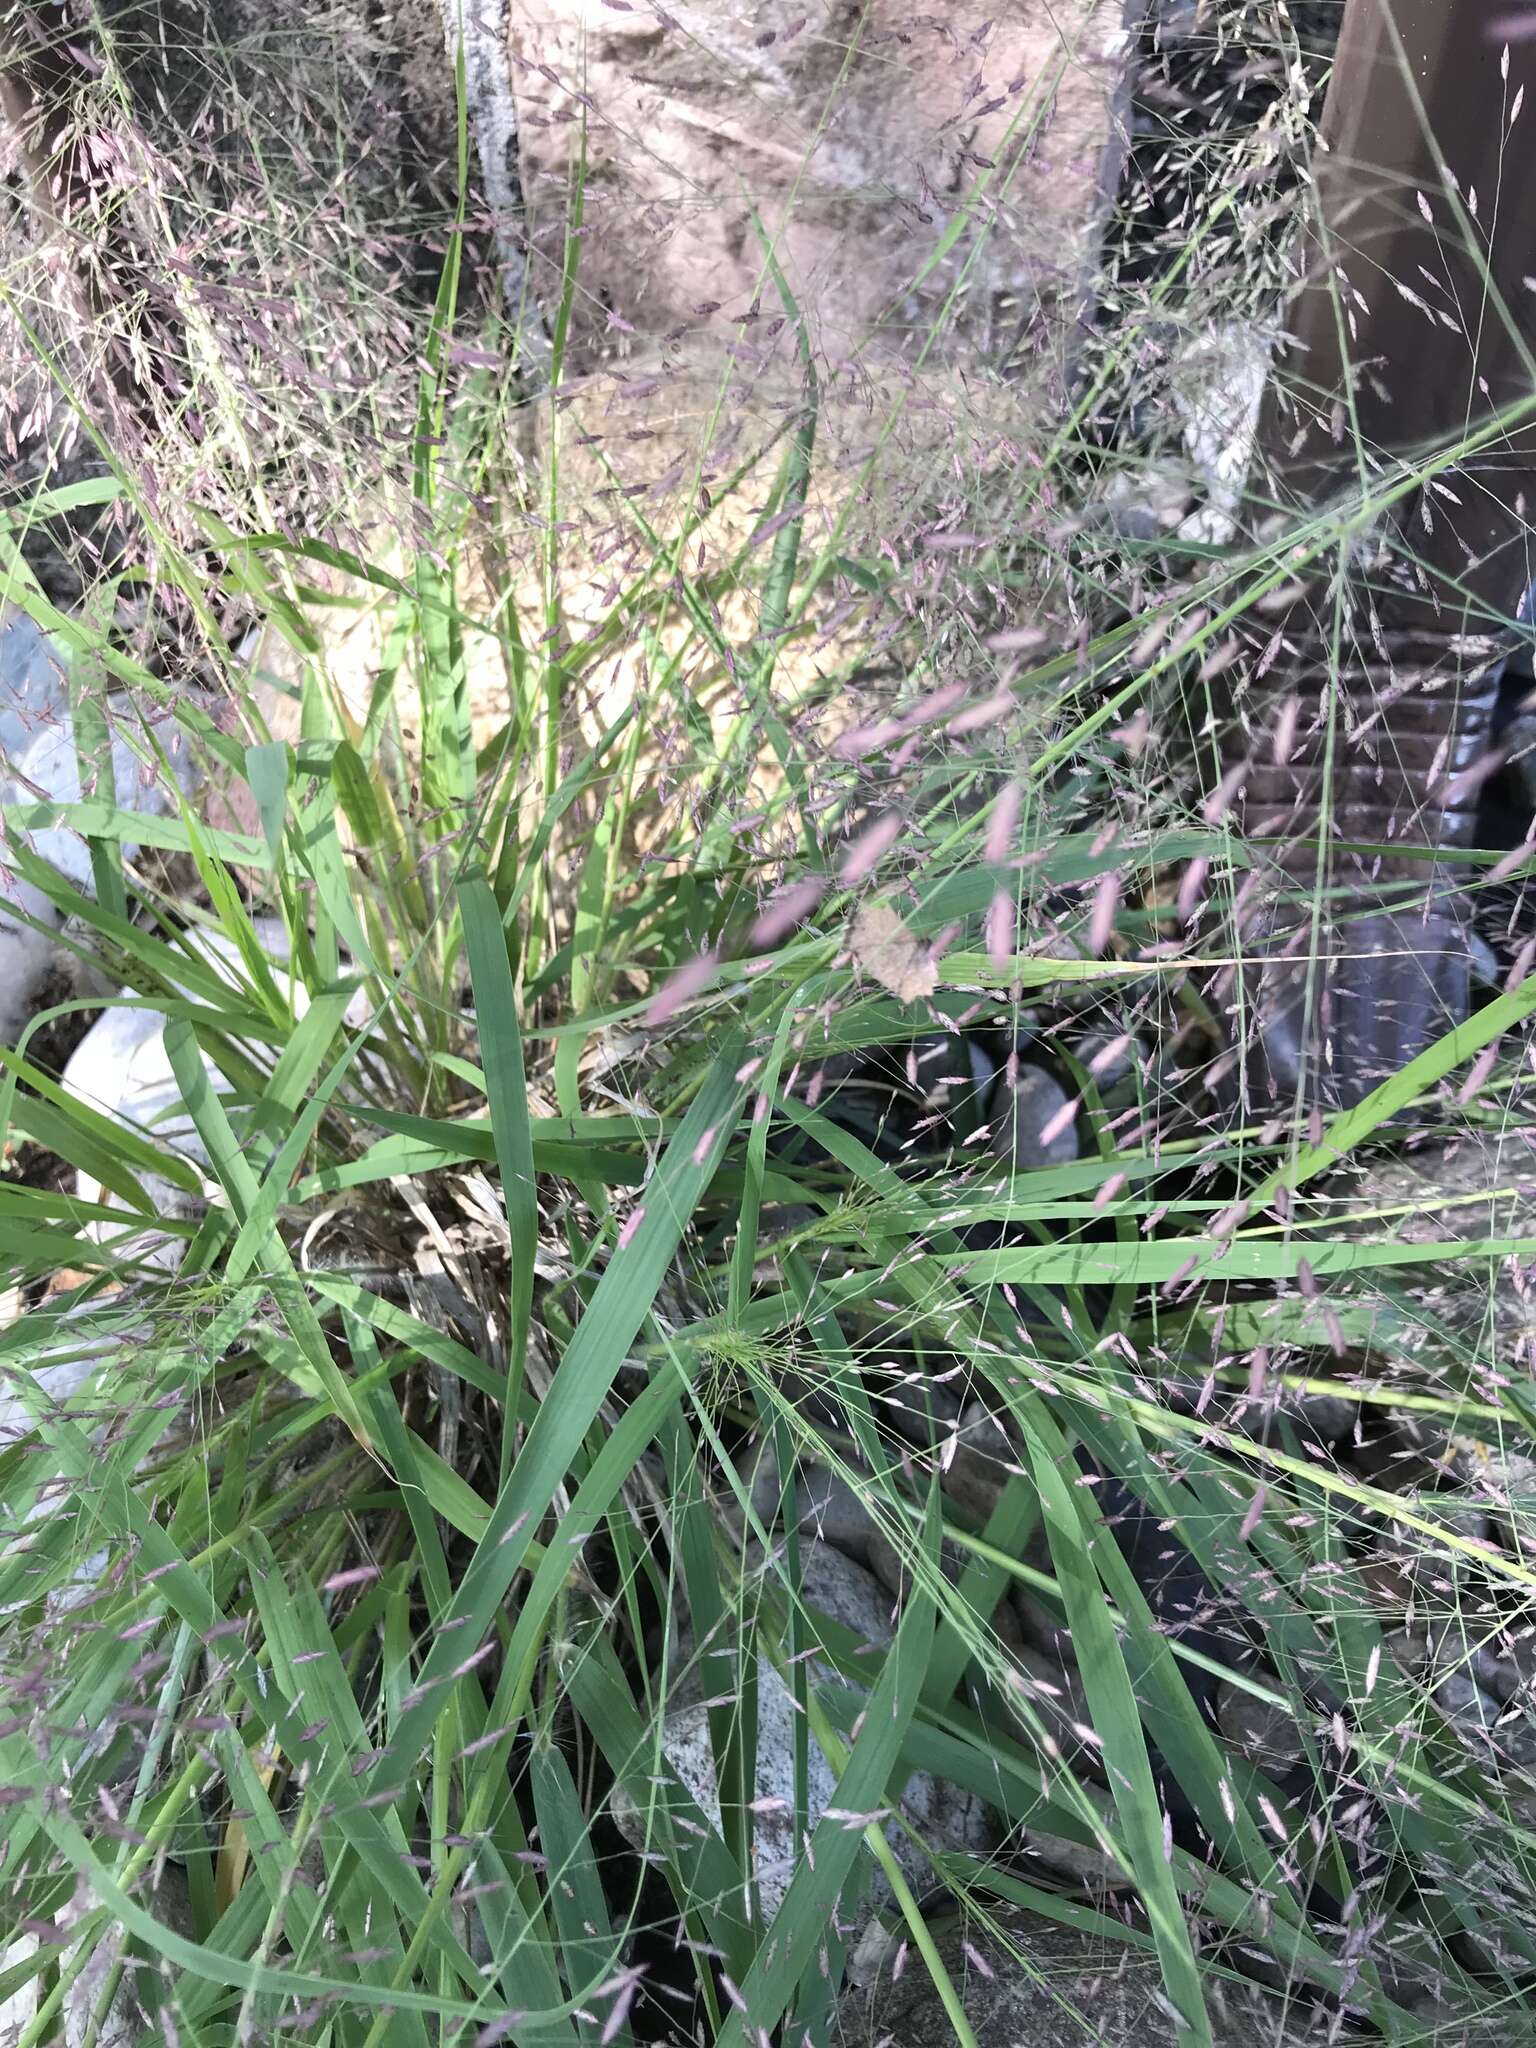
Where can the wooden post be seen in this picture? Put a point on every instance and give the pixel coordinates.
(1412, 334)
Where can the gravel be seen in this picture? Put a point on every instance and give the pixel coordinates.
(1044, 1986)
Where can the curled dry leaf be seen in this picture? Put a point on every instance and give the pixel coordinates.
(886, 951)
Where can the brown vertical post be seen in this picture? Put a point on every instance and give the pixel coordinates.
(1412, 333)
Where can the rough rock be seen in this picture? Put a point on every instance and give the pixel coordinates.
(1217, 384)
(136, 2001)
(1458, 1328)
(50, 768)
(943, 1815)
(1430, 1655)
(829, 1509)
(58, 1371)
(31, 682)
(27, 956)
(1265, 1734)
(1037, 1985)
(1051, 1689)
(31, 696)
(890, 1568)
(1043, 1680)
(121, 1067)
(1504, 1737)
(977, 1461)
(1032, 1126)
(39, 763)
(923, 1412)
(1411, 1650)
(1404, 1564)
(1480, 1186)
(131, 2013)
(1060, 1862)
(981, 1431)
(131, 2017)
(1043, 1630)
(1316, 1418)
(1111, 1058)
(1482, 959)
(1415, 1447)
(856, 134)
(1504, 1664)
(84, 1349)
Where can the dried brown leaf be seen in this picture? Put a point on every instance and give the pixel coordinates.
(886, 951)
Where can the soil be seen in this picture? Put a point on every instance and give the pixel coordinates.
(850, 138)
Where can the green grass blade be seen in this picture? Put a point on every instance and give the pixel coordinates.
(792, 1950)
(501, 1050)
(1118, 1726)
(619, 1306)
